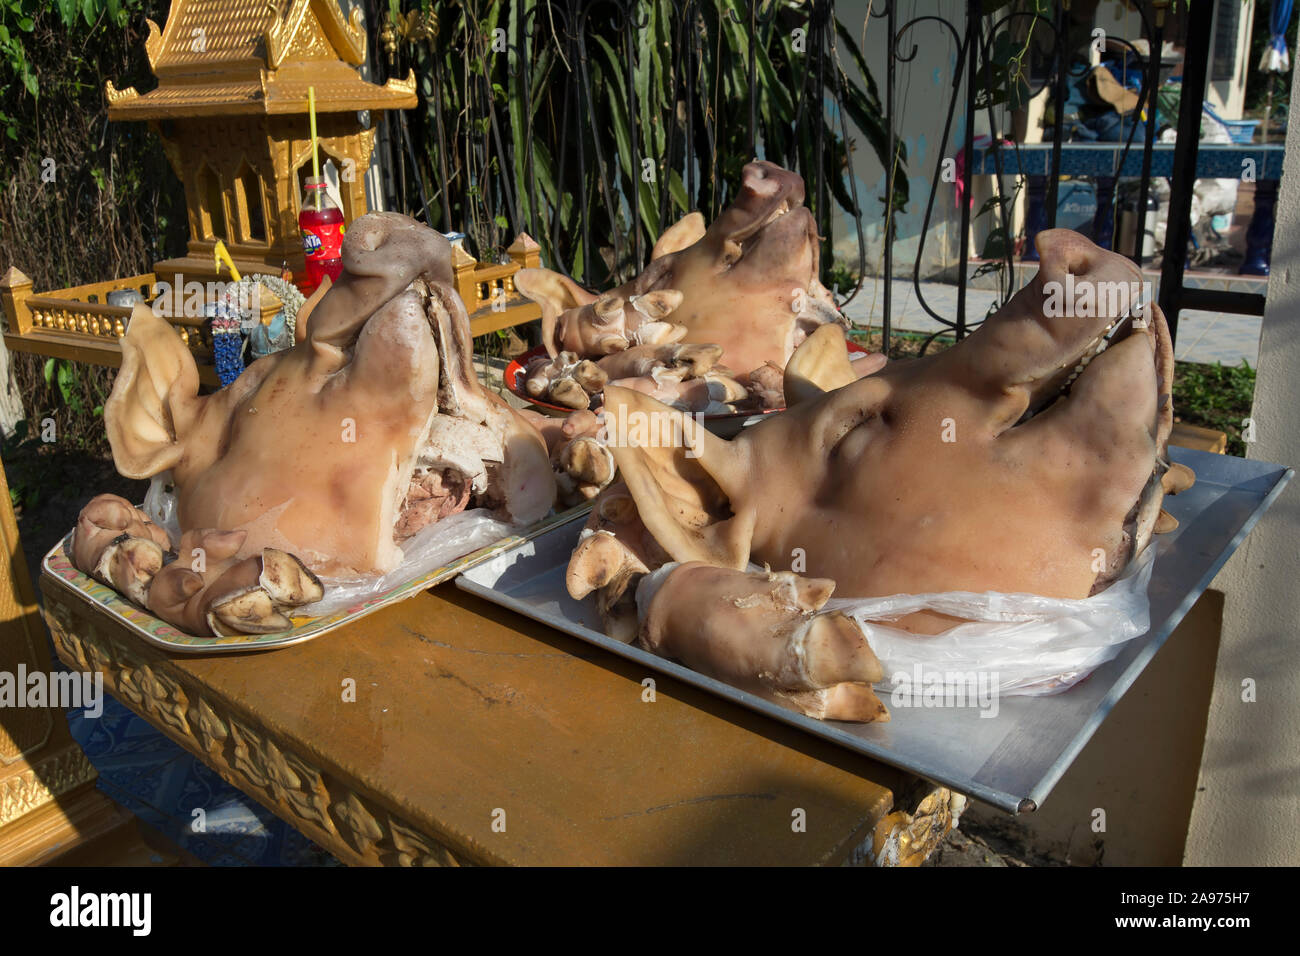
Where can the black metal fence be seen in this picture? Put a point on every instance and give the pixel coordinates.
(593, 124)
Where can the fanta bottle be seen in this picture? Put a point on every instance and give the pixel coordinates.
(321, 222)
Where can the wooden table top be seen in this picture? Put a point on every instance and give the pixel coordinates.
(479, 736)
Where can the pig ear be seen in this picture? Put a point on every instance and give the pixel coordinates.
(556, 294)
(684, 480)
(155, 397)
(686, 231)
(304, 312)
(820, 365)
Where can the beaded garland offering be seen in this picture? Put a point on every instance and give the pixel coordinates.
(234, 322)
(227, 348)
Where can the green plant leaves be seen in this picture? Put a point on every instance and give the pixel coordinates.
(1215, 396)
(618, 99)
(61, 374)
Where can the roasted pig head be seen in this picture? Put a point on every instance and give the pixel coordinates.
(747, 283)
(372, 427)
(1030, 457)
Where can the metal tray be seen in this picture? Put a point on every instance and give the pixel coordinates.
(60, 570)
(1011, 761)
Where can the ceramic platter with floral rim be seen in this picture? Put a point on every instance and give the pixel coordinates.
(58, 565)
(723, 425)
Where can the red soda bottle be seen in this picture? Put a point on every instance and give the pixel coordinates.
(321, 223)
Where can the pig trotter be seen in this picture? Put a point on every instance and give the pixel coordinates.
(116, 544)
(761, 631)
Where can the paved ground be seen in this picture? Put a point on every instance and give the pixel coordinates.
(1207, 337)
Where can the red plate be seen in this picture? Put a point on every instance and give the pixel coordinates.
(514, 382)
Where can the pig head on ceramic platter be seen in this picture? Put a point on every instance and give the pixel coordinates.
(1028, 458)
(748, 283)
(321, 459)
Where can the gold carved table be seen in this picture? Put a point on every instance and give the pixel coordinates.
(444, 730)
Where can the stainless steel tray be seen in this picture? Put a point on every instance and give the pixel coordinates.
(1012, 760)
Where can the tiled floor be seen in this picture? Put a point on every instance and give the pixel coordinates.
(164, 785)
(1207, 337)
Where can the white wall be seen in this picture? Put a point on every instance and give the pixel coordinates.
(1248, 801)
(924, 87)
(1228, 96)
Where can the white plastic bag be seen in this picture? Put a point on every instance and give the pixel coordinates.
(440, 543)
(1034, 645)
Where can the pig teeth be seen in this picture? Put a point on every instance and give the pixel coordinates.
(778, 213)
(1078, 369)
(1090, 352)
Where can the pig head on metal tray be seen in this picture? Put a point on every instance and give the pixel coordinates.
(323, 458)
(1030, 457)
(748, 283)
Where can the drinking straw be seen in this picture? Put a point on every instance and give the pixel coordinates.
(311, 113)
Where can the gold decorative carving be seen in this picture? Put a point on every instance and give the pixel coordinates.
(366, 144)
(97, 659)
(59, 620)
(280, 777)
(212, 732)
(359, 826)
(43, 782)
(356, 29)
(307, 42)
(288, 780)
(274, 38)
(906, 839)
(402, 86)
(414, 850)
(115, 96)
(153, 45)
(326, 810)
(246, 755)
(309, 799)
(157, 695)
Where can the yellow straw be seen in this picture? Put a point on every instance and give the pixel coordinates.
(220, 255)
(311, 112)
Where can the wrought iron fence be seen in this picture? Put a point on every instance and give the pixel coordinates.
(592, 124)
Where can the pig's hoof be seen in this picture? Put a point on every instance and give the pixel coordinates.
(848, 701)
(288, 581)
(698, 359)
(841, 666)
(129, 565)
(567, 392)
(762, 631)
(597, 561)
(1177, 478)
(284, 584)
(116, 544)
(588, 461)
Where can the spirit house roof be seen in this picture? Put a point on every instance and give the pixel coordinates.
(225, 57)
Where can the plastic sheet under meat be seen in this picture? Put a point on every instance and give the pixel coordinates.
(1034, 645)
(436, 545)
